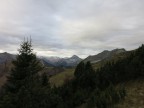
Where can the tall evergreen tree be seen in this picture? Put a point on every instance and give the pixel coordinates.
(26, 67)
(87, 79)
(79, 70)
(25, 88)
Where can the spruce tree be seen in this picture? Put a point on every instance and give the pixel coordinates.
(26, 68)
(88, 77)
(79, 70)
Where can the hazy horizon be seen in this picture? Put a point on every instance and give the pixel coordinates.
(47, 56)
(71, 27)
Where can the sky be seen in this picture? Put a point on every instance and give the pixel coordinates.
(71, 27)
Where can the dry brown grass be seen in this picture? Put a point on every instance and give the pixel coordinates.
(2, 80)
(135, 95)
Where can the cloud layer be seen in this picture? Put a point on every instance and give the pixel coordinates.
(67, 27)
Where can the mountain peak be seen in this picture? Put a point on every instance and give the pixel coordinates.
(118, 50)
(64, 62)
(75, 57)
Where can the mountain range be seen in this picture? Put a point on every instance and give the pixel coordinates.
(61, 62)
(67, 61)
(47, 61)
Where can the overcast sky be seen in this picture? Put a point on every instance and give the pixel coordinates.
(66, 27)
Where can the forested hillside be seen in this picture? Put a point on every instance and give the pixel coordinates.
(101, 88)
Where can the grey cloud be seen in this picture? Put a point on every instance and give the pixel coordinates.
(67, 27)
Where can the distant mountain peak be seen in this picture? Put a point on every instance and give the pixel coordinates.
(5, 53)
(6, 57)
(75, 57)
(64, 62)
(106, 51)
(119, 49)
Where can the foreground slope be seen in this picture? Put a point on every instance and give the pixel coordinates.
(135, 95)
(60, 78)
(127, 71)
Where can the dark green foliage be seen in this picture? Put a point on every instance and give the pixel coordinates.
(85, 75)
(130, 68)
(87, 86)
(79, 70)
(105, 99)
(45, 80)
(99, 83)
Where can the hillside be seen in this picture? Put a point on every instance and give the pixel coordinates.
(5, 62)
(105, 55)
(125, 69)
(135, 95)
(60, 78)
(53, 65)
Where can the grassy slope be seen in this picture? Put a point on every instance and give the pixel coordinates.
(135, 89)
(59, 78)
(135, 95)
(2, 80)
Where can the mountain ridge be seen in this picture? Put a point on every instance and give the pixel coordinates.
(106, 54)
(54, 61)
(62, 62)
(47, 61)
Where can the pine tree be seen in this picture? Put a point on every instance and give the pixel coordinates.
(79, 70)
(88, 77)
(26, 67)
(25, 88)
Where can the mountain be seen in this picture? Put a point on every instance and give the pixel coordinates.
(61, 62)
(4, 57)
(67, 61)
(54, 64)
(104, 55)
(126, 72)
(5, 62)
(47, 61)
(5, 66)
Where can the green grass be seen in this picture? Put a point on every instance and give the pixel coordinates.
(59, 78)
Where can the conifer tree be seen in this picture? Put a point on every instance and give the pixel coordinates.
(26, 67)
(79, 69)
(45, 80)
